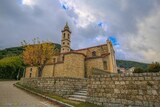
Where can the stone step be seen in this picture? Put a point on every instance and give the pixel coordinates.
(79, 93)
(78, 96)
(77, 99)
(85, 89)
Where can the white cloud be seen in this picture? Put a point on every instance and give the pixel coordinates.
(100, 38)
(85, 16)
(138, 39)
(124, 4)
(28, 2)
(146, 41)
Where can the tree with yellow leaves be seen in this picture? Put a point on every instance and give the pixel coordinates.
(38, 54)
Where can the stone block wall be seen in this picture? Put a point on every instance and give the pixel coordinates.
(93, 63)
(101, 49)
(96, 71)
(119, 90)
(59, 70)
(32, 70)
(74, 65)
(59, 86)
(48, 71)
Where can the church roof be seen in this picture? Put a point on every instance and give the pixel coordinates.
(72, 52)
(90, 47)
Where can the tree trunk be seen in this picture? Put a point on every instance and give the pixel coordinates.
(40, 68)
(39, 72)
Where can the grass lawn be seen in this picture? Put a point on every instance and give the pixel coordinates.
(74, 103)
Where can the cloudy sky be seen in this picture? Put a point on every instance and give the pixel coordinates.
(133, 26)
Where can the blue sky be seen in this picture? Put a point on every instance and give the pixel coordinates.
(113, 40)
(132, 25)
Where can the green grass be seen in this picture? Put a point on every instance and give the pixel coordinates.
(74, 103)
(64, 100)
(7, 80)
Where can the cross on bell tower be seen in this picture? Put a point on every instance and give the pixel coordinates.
(65, 42)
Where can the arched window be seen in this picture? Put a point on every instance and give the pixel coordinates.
(62, 58)
(68, 36)
(105, 65)
(64, 35)
(30, 74)
(94, 53)
(63, 43)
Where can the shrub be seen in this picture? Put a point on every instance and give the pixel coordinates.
(138, 70)
(154, 67)
(10, 67)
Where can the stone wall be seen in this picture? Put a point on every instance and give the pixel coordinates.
(59, 69)
(119, 90)
(48, 71)
(101, 49)
(96, 71)
(32, 70)
(111, 58)
(74, 65)
(93, 63)
(59, 86)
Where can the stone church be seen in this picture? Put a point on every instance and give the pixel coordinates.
(79, 63)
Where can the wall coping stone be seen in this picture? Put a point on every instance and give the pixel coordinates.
(126, 75)
(60, 78)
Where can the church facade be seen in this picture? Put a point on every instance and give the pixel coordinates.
(77, 63)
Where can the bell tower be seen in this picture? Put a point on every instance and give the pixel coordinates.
(65, 42)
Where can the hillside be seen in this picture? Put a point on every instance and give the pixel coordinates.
(129, 64)
(120, 63)
(14, 51)
(10, 52)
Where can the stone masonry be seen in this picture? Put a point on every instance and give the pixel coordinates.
(120, 90)
(108, 90)
(59, 86)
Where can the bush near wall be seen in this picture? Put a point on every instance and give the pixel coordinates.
(154, 67)
(10, 67)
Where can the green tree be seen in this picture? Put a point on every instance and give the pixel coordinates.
(154, 67)
(138, 70)
(10, 67)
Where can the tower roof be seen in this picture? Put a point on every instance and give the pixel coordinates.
(66, 28)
